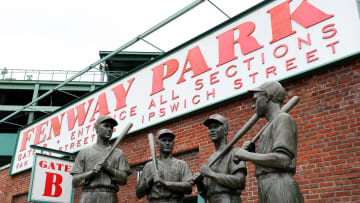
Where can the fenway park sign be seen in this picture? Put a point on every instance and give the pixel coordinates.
(274, 41)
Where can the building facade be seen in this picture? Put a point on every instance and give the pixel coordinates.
(326, 80)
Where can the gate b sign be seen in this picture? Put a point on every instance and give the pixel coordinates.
(51, 180)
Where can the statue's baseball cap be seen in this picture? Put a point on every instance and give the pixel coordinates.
(164, 132)
(106, 118)
(217, 118)
(274, 89)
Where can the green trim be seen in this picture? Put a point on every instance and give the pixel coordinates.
(53, 151)
(7, 143)
(32, 176)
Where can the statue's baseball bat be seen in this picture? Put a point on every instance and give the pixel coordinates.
(117, 141)
(152, 151)
(286, 108)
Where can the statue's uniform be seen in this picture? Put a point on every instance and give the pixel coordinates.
(101, 188)
(216, 193)
(278, 185)
(174, 170)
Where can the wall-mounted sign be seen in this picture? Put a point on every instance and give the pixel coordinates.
(273, 41)
(51, 180)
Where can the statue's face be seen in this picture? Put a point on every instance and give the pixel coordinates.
(217, 131)
(260, 103)
(105, 130)
(165, 144)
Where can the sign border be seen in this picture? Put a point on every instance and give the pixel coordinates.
(33, 174)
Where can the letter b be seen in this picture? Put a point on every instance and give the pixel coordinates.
(52, 185)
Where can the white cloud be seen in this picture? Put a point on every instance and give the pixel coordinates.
(68, 34)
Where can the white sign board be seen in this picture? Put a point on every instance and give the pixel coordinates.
(274, 41)
(51, 180)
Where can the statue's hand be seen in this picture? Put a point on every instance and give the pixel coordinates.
(241, 154)
(97, 168)
(249, 146)
(206, 171)
(158, 180)
(196, 178)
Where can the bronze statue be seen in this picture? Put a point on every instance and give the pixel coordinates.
(99, 180)
(166, 179)
(275, 160)
(224, 180)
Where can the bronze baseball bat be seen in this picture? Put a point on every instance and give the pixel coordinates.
(117, 141)
(286, 108)
(152, 151)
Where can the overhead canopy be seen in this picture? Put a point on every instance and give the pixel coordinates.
(124, 62)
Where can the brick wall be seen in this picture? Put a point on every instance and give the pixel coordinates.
(328, 119)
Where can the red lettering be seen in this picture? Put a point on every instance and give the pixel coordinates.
(161, 100)
(199, 84)
(247, 42)
(101, 106)
(329, 29)
(213, 78)
(197, 64)
(300, 40)
(72, 137)
(158, 74)
(67, 168)
(305, 14)
(238, 84)
(52, 185)
(162, 112)
(269, 70)
(310, 56)
(26, 138)
(152, 104)
(80, 132)
(120, 94)
(133, 111)
(174, 107)
(210, 93)
(332, 45)
(196, 101)
(151, 114)
(227, 71)
(173, 97)
(56, 126)
(72, 145)
(252, 75)
(262, 58)
(42, 164)
(40, 131)
(290, 64)
(248, 62)
(80, 116)
(86, 140)
(282, 54)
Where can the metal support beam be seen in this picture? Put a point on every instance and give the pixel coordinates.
(35, 95)
(29, 109)
(219, 9)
